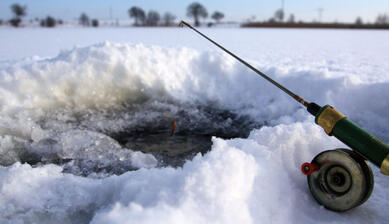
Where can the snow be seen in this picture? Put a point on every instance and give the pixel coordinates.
(60, 102)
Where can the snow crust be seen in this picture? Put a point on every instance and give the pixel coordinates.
(62, 108)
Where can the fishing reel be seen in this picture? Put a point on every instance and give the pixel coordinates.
(339, 179)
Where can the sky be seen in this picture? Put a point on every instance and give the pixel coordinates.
(234, 10)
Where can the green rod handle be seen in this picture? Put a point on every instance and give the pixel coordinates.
(335, 123)
(361, 141)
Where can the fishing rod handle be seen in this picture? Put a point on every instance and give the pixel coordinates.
(335, 123)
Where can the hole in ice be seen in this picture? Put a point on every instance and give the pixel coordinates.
(195, 128)
(109, 141)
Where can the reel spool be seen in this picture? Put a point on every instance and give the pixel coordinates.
(339, 179)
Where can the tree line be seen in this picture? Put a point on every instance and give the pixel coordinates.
(19, 12)
(195, 11)
(279, 16)
(152, 18)
(382, 22)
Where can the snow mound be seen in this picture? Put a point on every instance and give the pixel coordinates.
(254, 180)
(84, 85)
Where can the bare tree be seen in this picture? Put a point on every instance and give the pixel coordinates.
(18, 11)
(217, 16)
(168, 19)
(279, 15)
(153, 18)
(50, 21)
(382, 19)
(84, 19)
(195, 11)
(358, 21)
(291, 18)
(138, 14)
(95, 23)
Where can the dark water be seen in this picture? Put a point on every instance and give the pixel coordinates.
(144, 127)
(192, 136)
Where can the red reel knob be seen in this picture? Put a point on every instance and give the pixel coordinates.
(309, 168)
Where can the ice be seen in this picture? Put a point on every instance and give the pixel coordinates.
(61, 110)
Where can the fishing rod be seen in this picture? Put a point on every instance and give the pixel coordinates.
(287, 91)
(339, 179)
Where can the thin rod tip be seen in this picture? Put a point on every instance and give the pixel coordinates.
(183, 23)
